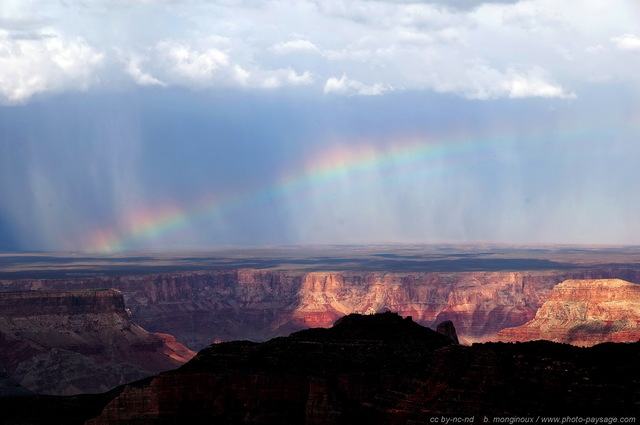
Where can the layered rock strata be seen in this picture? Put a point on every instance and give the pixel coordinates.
(84, 341)
(584, 313)
(201, 307)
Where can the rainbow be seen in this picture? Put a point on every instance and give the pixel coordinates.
(336, 165)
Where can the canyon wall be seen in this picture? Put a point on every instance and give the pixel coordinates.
(202, 307)
(82, 341)
(584, 313)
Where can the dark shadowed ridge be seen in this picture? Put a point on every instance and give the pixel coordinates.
(355, 343)
(386, 326)
(377, 369)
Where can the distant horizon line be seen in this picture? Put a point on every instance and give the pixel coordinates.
(381, 245)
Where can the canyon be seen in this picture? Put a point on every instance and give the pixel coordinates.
(89, 333)
(201, 307)
(584, 313)
(77, 341)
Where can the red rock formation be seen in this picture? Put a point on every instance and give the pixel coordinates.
(584, 313)
(201, 307)
(79, 342)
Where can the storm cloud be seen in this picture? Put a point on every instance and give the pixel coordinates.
(185, 124)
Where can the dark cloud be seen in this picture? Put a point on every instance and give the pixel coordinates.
(90, 162)
(454, 4)
(30, 35)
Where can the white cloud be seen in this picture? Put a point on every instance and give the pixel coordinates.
(434, 45)
(139, 76)
(599, 48)
(483, 82)
(287, 77)
(298, 45)
(37, 65)
(347, 86)
(196, 66)
(210, 62)
(521, 86)
(299, 79)
(240, 75)
(627, 42)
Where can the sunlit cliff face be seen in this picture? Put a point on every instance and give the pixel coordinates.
(584, 313)
(256, 304)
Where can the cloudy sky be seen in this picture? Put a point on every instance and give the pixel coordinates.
(182, 124)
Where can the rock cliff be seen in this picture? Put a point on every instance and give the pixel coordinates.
(381, 369)
(448, 329)
(83, 341)
(201, 307)
(584, 313)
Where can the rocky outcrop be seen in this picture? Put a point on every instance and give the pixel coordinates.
(72, 342)
(381, 369)
(201, 307)
(448, 329)
(584, 313)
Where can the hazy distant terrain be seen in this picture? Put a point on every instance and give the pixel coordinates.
(392, 258)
